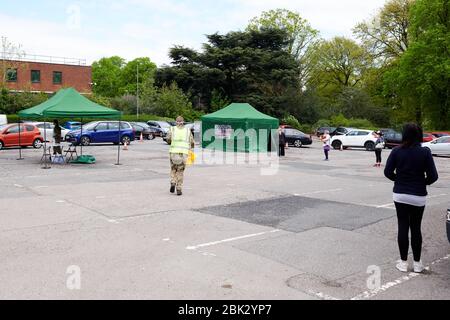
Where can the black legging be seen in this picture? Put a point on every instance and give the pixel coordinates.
(281, 150)
(409, 217)
(378, 155)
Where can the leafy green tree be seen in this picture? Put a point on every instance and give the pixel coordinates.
(422, 76)
(172, 102)
(300, 35)
(136, 72)
(249, 66)
(107, 76)
(218, 100)
(387, 34)
(340, 62)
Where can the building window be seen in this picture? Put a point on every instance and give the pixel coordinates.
(57, 77)
(11, 75)
(35, 76)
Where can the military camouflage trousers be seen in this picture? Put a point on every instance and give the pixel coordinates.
(177, 166)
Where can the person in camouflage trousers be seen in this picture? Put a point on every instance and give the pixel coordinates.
(181, 142)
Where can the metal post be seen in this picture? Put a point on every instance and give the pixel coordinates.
(118, 145)
(81, 135)
(20, 143)
(137, 92)
(45, 147)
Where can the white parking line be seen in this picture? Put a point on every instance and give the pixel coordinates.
(436, 196)
(322, 296)
(385, 287)
(385, 205)
(319, 191)
(229, 240)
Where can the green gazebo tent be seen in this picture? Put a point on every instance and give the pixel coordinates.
(69, 103)
(238, 127)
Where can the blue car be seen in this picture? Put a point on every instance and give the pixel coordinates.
(72, 125)
(102, 132)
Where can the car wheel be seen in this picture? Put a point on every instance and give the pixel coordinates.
(298, 143)
(37, 143)
(369, 145)
(126, 139)
(1, 145)
(85, 141)
(336, 144)
(151, 136)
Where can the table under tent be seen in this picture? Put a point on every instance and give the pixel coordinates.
(69, 103)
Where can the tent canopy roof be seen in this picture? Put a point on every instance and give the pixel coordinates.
(69, 103)
(242, 111)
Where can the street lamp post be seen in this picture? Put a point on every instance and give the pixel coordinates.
(137, 91)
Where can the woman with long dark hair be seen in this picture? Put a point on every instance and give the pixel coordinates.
(412, 168)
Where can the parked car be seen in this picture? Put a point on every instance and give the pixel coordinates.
(297, 138)
(385, 131)
(102, 132)
(357, 138)
(341, 131)
(448, 224)
(29, 135)
(440, 134)
(321, 130)
(392, 139)
(46, 129)
(163, 126)
(427, 137)
(72, 125)
(143, 128)
(439, 146)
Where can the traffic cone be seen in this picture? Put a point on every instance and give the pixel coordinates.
(341, 148)
(141, 138)
(125, 146)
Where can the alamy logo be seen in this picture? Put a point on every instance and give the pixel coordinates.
(74, 17)
(74, 279)
(374, 281)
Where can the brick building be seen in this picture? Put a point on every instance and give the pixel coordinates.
(46, 74)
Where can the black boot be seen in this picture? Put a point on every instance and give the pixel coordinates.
(172, 188)
(179, 193)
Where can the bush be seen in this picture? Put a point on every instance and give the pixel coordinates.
(361, 124)
(291, 121)
(322, 123)
(339, 121)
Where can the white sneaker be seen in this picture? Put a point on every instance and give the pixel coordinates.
(418, 266)
(402, 266)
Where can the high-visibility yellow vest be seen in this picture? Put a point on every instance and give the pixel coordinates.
(180, 140)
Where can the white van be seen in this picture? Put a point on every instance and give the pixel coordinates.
(3, 119)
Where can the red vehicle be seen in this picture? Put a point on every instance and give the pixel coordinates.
(439, 134)
(427, 137)
(29, 135)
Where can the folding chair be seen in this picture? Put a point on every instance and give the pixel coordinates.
(71, 150)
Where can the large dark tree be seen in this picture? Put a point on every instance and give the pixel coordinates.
(247, 66)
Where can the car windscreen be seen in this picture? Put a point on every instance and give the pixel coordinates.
(89, 126)
(143, 125)
(164, 124)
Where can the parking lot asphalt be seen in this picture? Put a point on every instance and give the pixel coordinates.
(310, 229)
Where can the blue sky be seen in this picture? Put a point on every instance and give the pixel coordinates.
(135, 28)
